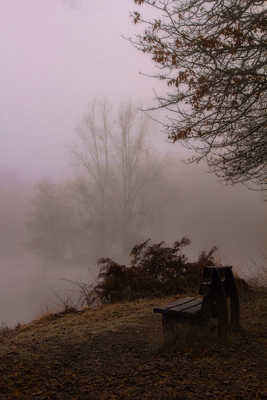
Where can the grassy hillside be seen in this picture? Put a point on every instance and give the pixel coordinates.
(116, 352)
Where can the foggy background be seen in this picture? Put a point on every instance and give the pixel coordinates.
(56, 58)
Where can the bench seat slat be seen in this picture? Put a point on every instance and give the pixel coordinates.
(188, 306)
(184, 300)
(181, 305)
(194, 309)
(168, 306)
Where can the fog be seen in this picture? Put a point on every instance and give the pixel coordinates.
(58, 56)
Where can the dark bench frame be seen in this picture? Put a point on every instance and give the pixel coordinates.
(219, 301)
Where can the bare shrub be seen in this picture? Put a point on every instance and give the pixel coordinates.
(259, 280)
(87, 294)
(66, 303)
(154, 270)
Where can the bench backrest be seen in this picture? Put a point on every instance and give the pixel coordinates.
(217, 285)
(216, 279)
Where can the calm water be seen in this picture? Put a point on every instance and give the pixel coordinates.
(28, 287)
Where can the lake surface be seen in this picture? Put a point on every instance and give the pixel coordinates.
(30, 287)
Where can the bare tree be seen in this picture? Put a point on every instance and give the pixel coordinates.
(213, 57)
(106, 209)
(93, 155)
(119, 171)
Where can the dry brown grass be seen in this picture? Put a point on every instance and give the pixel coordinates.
(117, 352)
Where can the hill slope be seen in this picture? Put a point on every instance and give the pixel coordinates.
(115, 352)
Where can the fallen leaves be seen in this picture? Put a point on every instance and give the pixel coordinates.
(116, 353)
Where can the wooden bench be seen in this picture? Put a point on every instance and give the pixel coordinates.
(219, 302)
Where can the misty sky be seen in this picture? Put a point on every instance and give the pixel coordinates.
(56, 55)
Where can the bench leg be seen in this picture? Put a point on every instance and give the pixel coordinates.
(168, 328)
(175, 331)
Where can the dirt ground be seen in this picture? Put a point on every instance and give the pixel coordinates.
(117, 352)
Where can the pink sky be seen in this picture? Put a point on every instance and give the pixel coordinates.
(54, 59)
